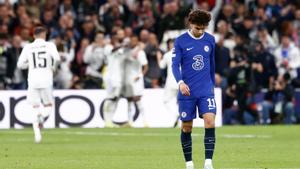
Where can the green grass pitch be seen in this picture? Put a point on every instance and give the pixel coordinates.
(238, 147)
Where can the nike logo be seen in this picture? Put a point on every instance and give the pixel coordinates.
(189, 48)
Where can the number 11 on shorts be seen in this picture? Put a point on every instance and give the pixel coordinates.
(211, 103)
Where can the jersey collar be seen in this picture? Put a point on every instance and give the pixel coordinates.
(39, 40)
(192, 36)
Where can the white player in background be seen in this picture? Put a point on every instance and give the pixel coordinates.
(171, 86)
(63, 76)
(94, 56)
(40, 58)
(136, 66)
(114, 76)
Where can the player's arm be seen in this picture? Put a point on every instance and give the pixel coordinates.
(176, 64)
(163, 61)
(55, 55)
(23, 60)
(176, 61)
(87, 54)
(144, 62)
(212, 62)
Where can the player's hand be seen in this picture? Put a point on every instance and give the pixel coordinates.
(184, 89)
(136, 78)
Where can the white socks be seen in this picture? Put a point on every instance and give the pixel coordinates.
(47, 111)
(189, 163)
(109, 111)
(37, 132)
(208, 162)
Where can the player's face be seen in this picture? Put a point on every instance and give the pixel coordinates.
(197, 30)
(133, 41)
(99, 38)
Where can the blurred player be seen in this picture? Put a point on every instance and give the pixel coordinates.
(136, 65)
(114, 78)
(94, 57)
(171, 87)
(194, 70)
(40, 57)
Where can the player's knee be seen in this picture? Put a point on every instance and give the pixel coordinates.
(48, 105)
(209, 123)
(136, 98)
(187, 128)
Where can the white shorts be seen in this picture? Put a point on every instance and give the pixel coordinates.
(36, 96)
(134, 89)
(113, 88)
(113, 92)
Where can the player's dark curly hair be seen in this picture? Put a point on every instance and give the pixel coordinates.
(199, 17)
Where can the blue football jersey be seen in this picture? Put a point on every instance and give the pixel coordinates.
(193, 62)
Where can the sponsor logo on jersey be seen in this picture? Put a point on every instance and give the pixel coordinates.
(198, 62)
(188, 49)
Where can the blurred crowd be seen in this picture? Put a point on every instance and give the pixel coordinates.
(257, 51)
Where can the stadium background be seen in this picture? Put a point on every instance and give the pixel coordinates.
(259, 39)
(239, 26)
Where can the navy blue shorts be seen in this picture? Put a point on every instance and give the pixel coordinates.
(188, 108)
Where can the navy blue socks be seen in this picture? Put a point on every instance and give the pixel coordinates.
(186, 142)
(209, 142)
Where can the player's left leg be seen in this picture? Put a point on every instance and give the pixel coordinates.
(207, 111)
(135, 92)
(47, 100)
(36, 124)
(170, 101)
(33, 98)
(130, 111)
(209, 138)
(140, 106)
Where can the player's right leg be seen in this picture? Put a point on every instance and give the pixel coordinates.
(186, 143)
(109, 108)
(33, 98)
(111, 103)
(138, 102)
(187, 110)
(170, 102)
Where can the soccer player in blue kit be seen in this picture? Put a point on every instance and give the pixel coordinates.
(194, 69)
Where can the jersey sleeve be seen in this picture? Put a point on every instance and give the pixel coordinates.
(142, 58)
(87, 54)
(163, 61)
(176, 61)
(212, 62)
(23, 59)
(54, 53)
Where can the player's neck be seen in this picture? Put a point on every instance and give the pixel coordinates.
(193, 35)
(39, 39)
(198, 36)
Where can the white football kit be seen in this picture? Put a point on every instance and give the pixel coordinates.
(114, 76)
(94, 56)
(134, 78)
(40, 57)
(171, 86)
